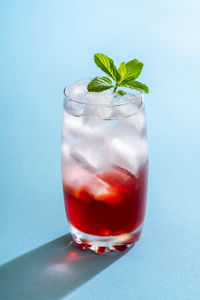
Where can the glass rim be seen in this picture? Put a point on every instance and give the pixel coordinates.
(140, 98)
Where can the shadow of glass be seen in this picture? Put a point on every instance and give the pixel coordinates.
(51, 271)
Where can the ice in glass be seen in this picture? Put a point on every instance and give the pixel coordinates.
(104, 167)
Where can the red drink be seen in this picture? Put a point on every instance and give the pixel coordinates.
(104, 167)
(107, 203)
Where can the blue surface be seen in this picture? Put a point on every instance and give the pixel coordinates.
(46, 45)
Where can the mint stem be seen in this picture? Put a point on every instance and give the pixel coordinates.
(115, 88)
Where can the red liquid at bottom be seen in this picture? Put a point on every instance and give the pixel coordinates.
(106, 203)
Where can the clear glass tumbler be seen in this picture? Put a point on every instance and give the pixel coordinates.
(104, 169)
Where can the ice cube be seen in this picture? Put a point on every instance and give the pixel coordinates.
(137, 121)
(97, 104)
(104, 97)
(89, 156)
(130, 155)
(67, 160)
(99, 129)
(89, 147)
(101, 191)
(71, 125)
(84, 130)
(75, 127)
(129, 105)
(118, 177)
(79, 181)
(74, 108)
(77, 91)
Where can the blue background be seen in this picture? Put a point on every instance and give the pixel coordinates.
(45, 45)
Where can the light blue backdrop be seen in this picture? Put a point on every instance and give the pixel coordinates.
(45, 45)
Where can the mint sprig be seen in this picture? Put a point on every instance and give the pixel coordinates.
(124, 76)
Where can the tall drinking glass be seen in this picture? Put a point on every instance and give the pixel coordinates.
(104, 169)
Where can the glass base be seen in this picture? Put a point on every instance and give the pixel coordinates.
(103, 244)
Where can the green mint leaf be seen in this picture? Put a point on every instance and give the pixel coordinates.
(136, 85)
(99, 84)
(122, 71)
(125, 75)
(133, 70)
(106, 64)
(121, 93)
